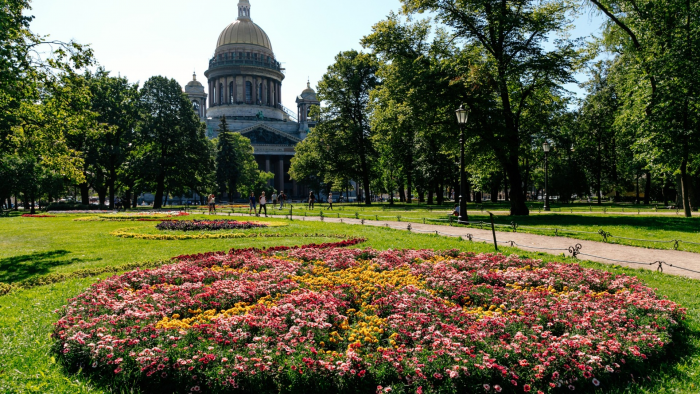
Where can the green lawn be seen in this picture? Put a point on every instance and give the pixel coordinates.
(656, 231)
(37, 247)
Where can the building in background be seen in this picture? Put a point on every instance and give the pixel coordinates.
(244, 81)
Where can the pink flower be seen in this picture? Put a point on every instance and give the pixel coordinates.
(596, 382)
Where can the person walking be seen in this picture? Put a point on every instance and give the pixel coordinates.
(281, 198)
(251, 202)
(330, 201)
(312, 199)
(263, 204)
(274, 199)
(211, 200)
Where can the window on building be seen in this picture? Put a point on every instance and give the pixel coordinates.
(230, 92)
(213, 96)
(195, 105)
(259, 94)
(248, 92)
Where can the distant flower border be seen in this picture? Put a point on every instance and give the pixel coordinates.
(127, 233)
(145, 217)
(28, 215)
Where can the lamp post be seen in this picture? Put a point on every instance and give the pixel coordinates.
(545, 147)
(462, 118)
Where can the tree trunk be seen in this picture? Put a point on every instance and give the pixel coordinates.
(518, 207)
(84, 194)
(110, 185)
(409, 187)
(505, 186)
(495, 182)
(440, 196)
(430, 195)
(402, 194)
(421, 194)
(685, 188)
(647, 189)
(160, 189)
(637, 198)
(127, 199)
(16, 207)
(32, 198)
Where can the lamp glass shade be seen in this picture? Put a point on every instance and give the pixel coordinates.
(545, 147)
(462, 115)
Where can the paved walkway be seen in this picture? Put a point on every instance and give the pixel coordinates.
(590, 250)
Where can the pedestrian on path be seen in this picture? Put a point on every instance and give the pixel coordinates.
(312, 200)
(281, 198)
(330, 201)
(274, 199)
(251, 201)
(212, 203)
(263, 204)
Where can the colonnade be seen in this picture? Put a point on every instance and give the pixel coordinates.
(232, 90)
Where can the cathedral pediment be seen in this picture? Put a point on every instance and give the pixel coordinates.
(266, 135)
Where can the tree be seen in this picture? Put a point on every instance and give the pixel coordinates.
(345, 89)
(509, 37)
(658, 44)
(171, 137)
(228, 161)
(115, 103)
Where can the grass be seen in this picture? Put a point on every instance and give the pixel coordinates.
(655, 231)
(32, 248)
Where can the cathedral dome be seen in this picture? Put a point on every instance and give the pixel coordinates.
(244, 31)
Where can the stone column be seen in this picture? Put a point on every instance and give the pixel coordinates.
(267, 168)
(281, 181)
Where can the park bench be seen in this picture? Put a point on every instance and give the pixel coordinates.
(5, 213)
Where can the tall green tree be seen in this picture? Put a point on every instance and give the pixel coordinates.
(171, 137)
(511, 38)
(658, 44)
(345, 120)
(228, 161)
(115, 103)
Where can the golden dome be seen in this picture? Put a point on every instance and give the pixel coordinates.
(244, 32)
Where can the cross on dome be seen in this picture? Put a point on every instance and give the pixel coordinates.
(243, 9)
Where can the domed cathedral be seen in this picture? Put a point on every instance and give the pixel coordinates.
(244, 81)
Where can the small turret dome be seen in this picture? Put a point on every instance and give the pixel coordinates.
(194, 86)
(308, 93)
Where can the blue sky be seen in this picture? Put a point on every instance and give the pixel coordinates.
(143, 38)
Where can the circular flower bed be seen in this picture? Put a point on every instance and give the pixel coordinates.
(340, 320)
(208, 225)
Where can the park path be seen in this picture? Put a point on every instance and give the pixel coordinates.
(590, 250)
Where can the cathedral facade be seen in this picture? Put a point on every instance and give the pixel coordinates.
(244, 84)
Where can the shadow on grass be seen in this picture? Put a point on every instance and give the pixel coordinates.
(649, 223)
(17, 268)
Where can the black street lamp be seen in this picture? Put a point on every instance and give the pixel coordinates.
(545, 147)
(462, 118)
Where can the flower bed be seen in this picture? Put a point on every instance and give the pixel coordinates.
(129, 233)
(348, 320)
(27, 215)
(208, 225)
(137, 217)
